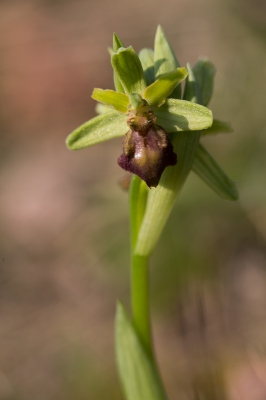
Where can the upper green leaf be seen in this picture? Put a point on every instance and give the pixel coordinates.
(127, 66)
(180, 115)
(103, 127)
(157, 92)
(192, 90)
(212, 174)
(116, 42)
(116, 45)
(119, 101)
(165, 60)
(204, 71)
(218, 127)
(146, 57)
(137, 372)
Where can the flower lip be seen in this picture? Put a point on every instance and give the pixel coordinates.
(147, 153)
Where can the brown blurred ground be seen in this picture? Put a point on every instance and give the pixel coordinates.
(64, 221)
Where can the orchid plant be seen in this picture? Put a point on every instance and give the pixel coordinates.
(161, 130)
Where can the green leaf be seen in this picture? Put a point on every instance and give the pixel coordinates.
(119, 101)
(103, 127)
(192, 90)
(137, 372)
(127, 66)
(162, 199)
(157, 92)
(116, 45)
(212, 174)
(146, 57)
(218, 127)
(204, 71)
(180, 115)
(165, 60)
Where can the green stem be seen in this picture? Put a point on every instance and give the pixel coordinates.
(140, 301)
(139, 267)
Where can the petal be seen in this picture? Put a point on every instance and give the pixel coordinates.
(212, 174)
(103, 127)
(157, 92)
(180, 115)
(127, 66)
(119, 101)
(146, 57)
(204, 71)
(165, 60)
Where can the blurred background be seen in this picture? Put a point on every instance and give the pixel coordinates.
(64, 248)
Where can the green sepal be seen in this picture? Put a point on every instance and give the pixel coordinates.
(116, 45)
(162, 199)
(128, 69)
(205, 71)
(218, 127)
(96, 130)
(137, 371)
(192, 90)
(119, 101)
(207, 169)
(157, 92)
(146, 57)
(165, 60)
(180, 115)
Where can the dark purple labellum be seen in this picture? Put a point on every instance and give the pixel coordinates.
(147, 153)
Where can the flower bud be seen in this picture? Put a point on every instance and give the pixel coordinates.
(147, 153)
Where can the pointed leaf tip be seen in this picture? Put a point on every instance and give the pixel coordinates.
(165, 60)
(117, 43)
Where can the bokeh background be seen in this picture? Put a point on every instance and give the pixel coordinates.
(64, 248)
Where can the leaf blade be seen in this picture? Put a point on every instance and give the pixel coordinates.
(117, 43)
(137, 372)
(98, 129)
(211, 173)
(146, 57)
(205, 71)
(218, 127)
(165, 60)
